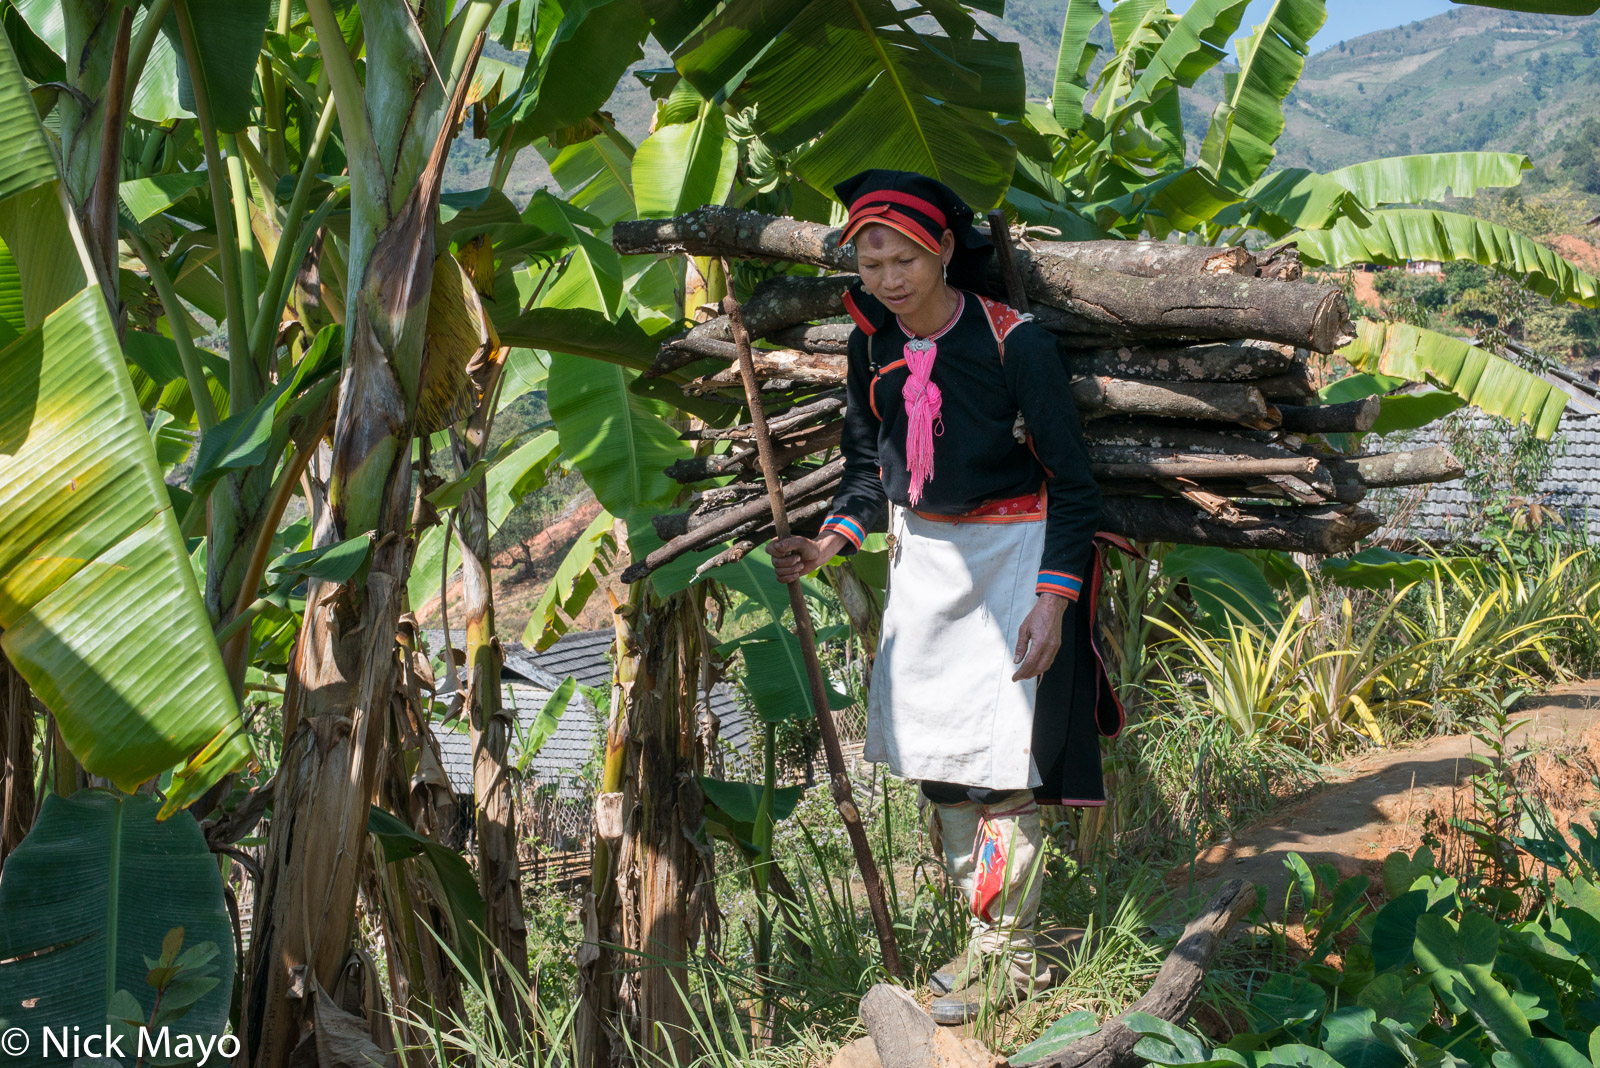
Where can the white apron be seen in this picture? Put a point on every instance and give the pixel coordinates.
(942, 705)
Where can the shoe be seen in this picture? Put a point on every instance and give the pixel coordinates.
(952, 974)
(988, 991)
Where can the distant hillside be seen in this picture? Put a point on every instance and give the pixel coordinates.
(1471, 78)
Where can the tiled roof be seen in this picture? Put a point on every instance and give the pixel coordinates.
(1572, 486)
(529, 678)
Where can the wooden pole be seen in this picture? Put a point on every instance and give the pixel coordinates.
(839, 779)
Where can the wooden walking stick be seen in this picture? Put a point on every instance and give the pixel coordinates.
(839, 779)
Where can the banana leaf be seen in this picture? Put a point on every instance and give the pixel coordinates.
(620, 441)
(684, 165)
(572, 585)
(1411, 179)
(1238, 145)
(1397, 235)
(98, 601)
(1477, 376)
(1073, 58)
(93, 890)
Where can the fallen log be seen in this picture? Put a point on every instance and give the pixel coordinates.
(1351, 417)
(1229, 361)
(1171, 997)
(1432, 464)
(1088, 300)
(1303, 530)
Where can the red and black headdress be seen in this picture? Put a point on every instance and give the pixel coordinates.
(921, 208)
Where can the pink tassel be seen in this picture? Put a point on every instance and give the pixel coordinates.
(923, 405)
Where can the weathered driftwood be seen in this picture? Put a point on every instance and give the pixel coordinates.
(1171, 997)
(1318, 530)
(1088, 300)
(1229, 361)
(1432, 464)
(1351, 417)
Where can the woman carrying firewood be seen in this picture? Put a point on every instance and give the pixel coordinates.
(986, 688)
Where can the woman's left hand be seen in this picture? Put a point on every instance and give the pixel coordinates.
(1039, 639)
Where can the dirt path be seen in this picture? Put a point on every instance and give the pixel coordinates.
(1381, 801)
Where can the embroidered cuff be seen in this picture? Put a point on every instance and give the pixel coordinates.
(1059, 583)
(846, 528)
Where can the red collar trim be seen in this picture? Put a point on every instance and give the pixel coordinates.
(857, 314)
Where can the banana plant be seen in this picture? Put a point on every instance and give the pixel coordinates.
(1116, 162)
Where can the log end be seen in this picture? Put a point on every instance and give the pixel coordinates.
(1331, 328)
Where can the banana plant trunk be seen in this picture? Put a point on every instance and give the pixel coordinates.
(16, 748)
(499, 877)
(397, 130)
(644, 831)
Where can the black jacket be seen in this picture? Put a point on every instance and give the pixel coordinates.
(977, 457)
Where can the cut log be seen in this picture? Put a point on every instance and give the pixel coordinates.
(720, 231)
(1321, 530)
(1293, 385)
(904, 1036)
(1090, 301)
(1111, 442)
(1266, 488)
(701, 531)
(1228, 402)
(1173, 994)
(1079, 302)
(1230, 361)
(1351, 417)
(1196, 467)
(1432, 464)
(776, 304)
(799, 369)
(812, 411)
(787, 449)
(833, 338)
(1150, 258)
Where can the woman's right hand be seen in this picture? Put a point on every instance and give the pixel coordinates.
(796, 556)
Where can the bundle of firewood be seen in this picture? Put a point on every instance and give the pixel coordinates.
(1189, 372)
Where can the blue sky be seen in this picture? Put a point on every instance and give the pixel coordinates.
(1350, 18)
